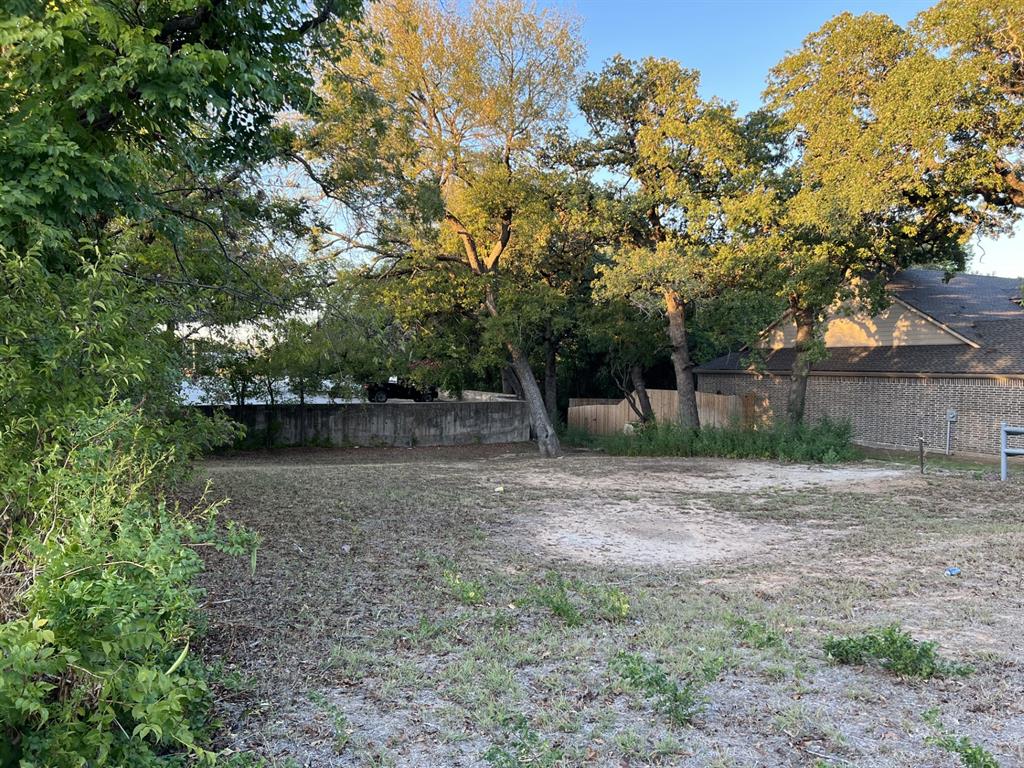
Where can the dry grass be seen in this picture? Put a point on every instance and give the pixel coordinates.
(404, 611)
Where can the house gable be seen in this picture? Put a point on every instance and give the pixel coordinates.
(897, 326)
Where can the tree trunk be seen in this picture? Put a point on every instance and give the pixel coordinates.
(685, 393)
(510, 383)
(551, 378)
(636, 375)
(302, 413)
(547, 439)
(801, 365)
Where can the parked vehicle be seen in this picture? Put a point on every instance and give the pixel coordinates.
(397, 388)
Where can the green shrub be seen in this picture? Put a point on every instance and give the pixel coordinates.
(98, 607)
(895, 650)
(823, 442)
(681, 702)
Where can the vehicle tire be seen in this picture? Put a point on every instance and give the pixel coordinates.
(426, 397)
(380, 396)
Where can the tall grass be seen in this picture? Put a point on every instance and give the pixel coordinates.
(825, 442)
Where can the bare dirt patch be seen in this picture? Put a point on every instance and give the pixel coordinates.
(408, 613)
(645, 512)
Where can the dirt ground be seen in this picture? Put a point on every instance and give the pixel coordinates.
(466, 607)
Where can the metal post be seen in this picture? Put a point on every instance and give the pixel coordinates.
(1002, 451)
(920, 451)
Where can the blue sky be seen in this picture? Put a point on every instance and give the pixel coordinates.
(734, 43)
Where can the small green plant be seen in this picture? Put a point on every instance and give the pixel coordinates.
(681, 702)
(427, 632)
(342, 730)
(555, 596)
(524, 748)
(350, 663)
(895, 650)
(465, 590)
(971, 755)
(757, 634)
(611, 603)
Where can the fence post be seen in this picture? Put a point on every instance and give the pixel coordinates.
(1002, 451)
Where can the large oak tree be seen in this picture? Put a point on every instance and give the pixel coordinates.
(454, 109)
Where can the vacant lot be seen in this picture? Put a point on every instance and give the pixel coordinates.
(487, 608)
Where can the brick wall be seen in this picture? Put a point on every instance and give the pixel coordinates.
(892, 412)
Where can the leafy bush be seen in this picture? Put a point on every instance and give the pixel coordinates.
(824, 442)
(681, 702)
(895, 650)
(97, 604)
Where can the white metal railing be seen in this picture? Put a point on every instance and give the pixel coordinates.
(1005, 430)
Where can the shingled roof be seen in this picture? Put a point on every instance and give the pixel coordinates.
(985, 310)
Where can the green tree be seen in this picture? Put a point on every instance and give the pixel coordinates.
(444, 153)
(901, 150)
(104, 102)
(680, 155)
(129, 134)
(630, 342)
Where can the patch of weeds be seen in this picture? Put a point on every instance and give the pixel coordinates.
(428, 633)
(971, 755)
(252, 760)
(610, 603)
(523, 747)
(757, 634)
(667, 746)
(504, 619)
(825, 442)
(629, 743)
(378, 758)
(465, 590)
(895, 650)
(802, 725)
(352, 663)
(555, 596)
(564, 598)
(342, 731)
(229, 678)
(681, 702)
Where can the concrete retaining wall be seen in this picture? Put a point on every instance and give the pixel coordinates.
(369, 424)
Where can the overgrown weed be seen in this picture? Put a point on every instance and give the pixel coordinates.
(895, 650)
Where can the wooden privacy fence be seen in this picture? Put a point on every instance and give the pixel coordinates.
(607, 417)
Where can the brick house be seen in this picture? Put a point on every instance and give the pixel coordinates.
(939, 348)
